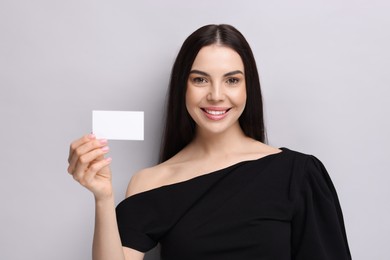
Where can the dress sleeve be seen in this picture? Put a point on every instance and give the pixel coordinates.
(318, 230)
(134, 219)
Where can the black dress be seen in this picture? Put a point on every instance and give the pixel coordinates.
(279, 207)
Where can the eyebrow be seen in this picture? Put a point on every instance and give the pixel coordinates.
(225, 75)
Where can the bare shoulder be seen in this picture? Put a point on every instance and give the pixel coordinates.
(147, 179)
(261, 148)
(271, 150)
(176, 168)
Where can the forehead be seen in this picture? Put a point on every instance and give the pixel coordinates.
(217, 58)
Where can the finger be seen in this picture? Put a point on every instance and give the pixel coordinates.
(87, 177)
(95, 168)
(84, 149)
(79, 164)
(74, 145)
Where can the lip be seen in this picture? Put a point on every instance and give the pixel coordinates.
(215, 113)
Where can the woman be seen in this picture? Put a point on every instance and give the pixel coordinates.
(219, 191)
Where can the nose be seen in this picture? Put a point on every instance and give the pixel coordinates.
(216, 93)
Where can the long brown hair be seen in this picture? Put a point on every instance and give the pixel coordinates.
(179, 126)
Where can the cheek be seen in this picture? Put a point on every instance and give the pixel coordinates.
(240, 97)
(188, 98)
(191, 99)
(241, 101)
(193, 96)
(243, 94)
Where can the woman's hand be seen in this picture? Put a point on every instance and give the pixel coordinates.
(89, 167)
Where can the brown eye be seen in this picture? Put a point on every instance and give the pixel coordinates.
(233, 81)
(199, 80)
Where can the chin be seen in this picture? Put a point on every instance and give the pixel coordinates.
(215, 128)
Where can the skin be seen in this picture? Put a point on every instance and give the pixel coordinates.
(88, 166)
(216, 84)
(215, 99)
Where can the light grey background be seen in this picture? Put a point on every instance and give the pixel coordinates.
(324, 69)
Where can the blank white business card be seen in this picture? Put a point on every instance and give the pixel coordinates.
(118, 125)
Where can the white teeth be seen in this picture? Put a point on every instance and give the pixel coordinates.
(214, 112)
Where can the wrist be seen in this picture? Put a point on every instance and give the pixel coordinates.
(104, 200)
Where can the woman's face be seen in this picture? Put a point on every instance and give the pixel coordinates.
(216, 90)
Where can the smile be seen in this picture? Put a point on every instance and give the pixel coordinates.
(215, 113)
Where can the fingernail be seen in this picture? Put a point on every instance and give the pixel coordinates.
(103, 141)
(108, 159)
(91, 136)
(105, 149)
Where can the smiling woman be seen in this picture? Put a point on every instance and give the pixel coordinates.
(216, 92)
(219, 192)
(179, 126)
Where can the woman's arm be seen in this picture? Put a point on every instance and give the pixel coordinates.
(106, 241)
(318, 230)
(90, 168)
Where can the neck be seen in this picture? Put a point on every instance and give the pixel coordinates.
(219, 144)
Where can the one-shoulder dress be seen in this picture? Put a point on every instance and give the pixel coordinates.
(279, 207)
